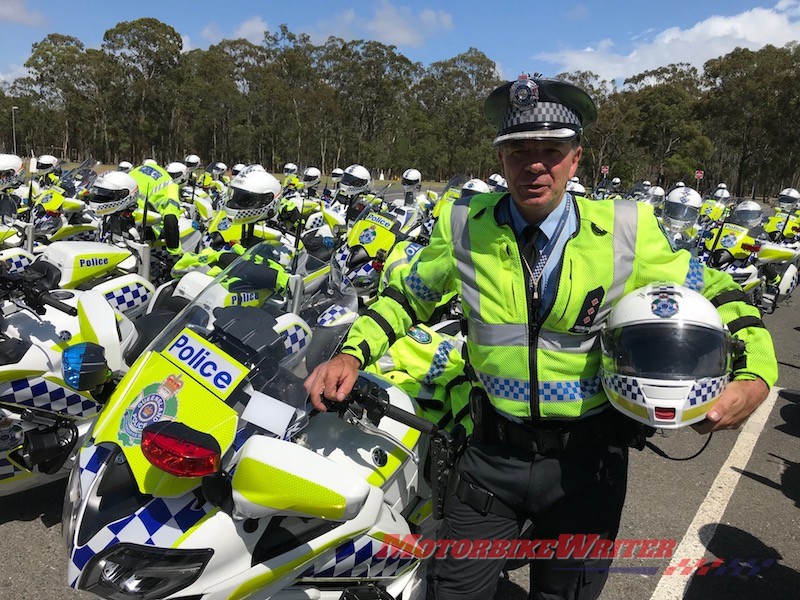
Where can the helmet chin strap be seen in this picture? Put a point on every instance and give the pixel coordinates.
(663, 454)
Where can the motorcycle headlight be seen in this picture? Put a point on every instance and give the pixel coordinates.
(141, 572)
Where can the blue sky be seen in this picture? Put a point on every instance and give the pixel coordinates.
(614, 39)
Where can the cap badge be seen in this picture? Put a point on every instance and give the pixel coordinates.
(664, 306)
(524, 92)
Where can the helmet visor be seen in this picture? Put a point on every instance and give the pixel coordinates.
(681, 213)
(348, 179)
(309, 178)
(99, 195)
(746, 218)
(665, 351)
(244, 199)
(409, 182)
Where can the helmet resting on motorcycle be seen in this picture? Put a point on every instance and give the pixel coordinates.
(236, 169)
(336, 175)
(252, 197)
(412, 180)
(494, 180)
(192, 162)
(124, 166)
(290, 169)
(788, 199)
(218, 168)
(722, 195)
(474, 186)
(112, 192)
(666, 355)
(12, 171)
(178, 171)
(311, 176)
(681, 209)
(654, 195)
(46, 163)
(356, 180)
(747, 214)
(575, 188)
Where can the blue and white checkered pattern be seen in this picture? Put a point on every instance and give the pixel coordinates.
(418, 287)
(705, 390)
(87, 236)
(569, 391)
(356, 558)
(503, 387)
(90, 459)
(626, 387)
(439, 363)
(331, 314)
(159, 523)
(295, 339)
(694, 278)
(18, 263)
(8, 469)
(540, 112)
(41, 393)
(128, 297)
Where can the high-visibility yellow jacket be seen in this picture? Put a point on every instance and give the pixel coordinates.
(547, 368)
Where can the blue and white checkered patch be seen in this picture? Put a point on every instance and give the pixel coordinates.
(419, 288)
(504, 387)
(694, 277)
(89, 235)
(357, 558)
(295, 339)
(331, 314)
(38, 392)
(128, 297)
(161, 522)
(706, 390)
(626, 387)
(18, 263)
(569, 391)
(439, 363)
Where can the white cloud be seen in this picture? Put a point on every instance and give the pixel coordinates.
(211, 33)
(17, 11)
(710, 38)
(13, 72)
(187, 43)
(252, 29)
(390, 24)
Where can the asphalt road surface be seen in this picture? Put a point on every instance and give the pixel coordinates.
(736, 502)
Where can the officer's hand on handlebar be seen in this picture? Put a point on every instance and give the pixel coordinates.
(332, 380)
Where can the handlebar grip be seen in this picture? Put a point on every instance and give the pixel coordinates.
(46, 298)
(409, 419)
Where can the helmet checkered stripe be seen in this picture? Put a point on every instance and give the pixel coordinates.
(128, 297)
(356, 558)
(706, 389)
(568, 391)
(18, 263)
(38, 392)
(541, 112)
(161, 522)
(418, 287)
(503, 387)
(627, 387)
(294, 338)
(440, 359)
(694, 277)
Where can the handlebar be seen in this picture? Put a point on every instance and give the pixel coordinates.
(48, 299)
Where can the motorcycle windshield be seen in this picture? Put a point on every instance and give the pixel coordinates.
(231, 364)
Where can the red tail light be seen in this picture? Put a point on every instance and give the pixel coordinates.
(180, 450)
(665, 414)
(751, 247)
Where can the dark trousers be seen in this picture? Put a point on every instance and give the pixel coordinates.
(576, 492)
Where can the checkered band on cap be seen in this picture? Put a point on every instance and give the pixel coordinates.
(541, 112)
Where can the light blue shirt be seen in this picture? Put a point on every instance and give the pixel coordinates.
(547, 229)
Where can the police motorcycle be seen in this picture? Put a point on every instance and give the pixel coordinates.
(208, 475)
(717, 206)
(783, 228)
(737, 246)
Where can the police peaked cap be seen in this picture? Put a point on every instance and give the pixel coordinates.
(534, 109)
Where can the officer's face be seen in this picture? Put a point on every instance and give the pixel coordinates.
(537, 172)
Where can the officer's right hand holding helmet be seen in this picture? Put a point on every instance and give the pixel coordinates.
(666, 355)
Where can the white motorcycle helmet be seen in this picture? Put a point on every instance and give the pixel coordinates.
(646, 185)
(251, 197)
(788, 199)
(112, 192)
(178, 171)
(255, 167)
(575, 179)
(336, 175)
(474, 186)
(218, 169)
(412, 180)
(192, 162)
(124, 166)
(680, 184)
(722, 195)
(290, 169)
(494, 180)
(356, 180)
(236, 169)
(654, 196)
(666, 355)
(311, 177)
(46, 163)
(149, 162)
(12, 171)
(575, 188)
(722, 186)
(681, 209)
(616, 182)
(747, 214)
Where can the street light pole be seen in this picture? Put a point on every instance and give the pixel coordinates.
(14, 109)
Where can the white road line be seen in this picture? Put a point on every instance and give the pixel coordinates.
(711, 510)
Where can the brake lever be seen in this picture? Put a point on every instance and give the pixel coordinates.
(366, 425)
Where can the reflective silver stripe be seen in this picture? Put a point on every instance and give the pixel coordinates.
(387, 271)
(626, 222)
(459, 230)
(385, 363)
(508, 334)
(568, 343)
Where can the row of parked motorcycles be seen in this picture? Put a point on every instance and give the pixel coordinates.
(169, 388)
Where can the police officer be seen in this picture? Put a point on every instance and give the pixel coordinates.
(538, 272)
